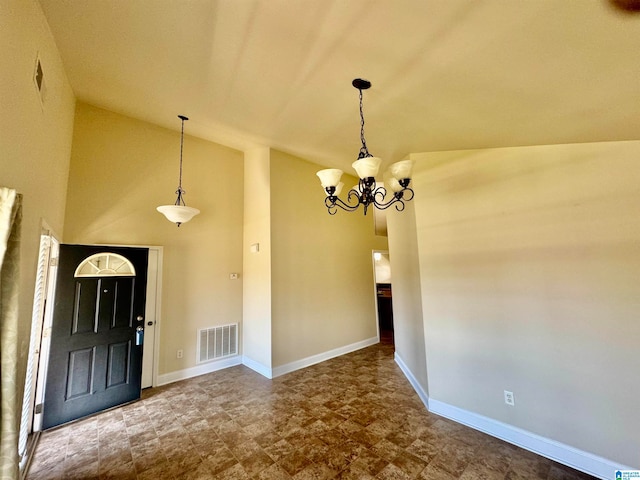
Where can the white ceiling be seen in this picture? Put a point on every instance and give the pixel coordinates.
(446, 74)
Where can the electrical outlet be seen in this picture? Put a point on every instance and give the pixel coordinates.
(509, 399)
(180, 353)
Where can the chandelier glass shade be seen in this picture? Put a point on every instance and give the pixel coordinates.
(367, 193)
(179, 213)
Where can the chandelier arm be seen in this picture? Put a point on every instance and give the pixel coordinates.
(354, 194)
(400, 205)
(379, 192)
(333, 201)
(393, 201)
(346, 206)
(404, 194)
(398, 200)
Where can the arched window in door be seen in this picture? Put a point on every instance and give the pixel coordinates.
(105, 265)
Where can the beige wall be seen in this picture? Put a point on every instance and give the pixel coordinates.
(323, 294)
(121, 169)
(35, 139)
(407, 300)
(256, 328)
(530, 273)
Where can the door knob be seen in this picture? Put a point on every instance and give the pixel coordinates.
(140, 318)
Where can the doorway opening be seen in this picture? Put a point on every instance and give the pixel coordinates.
(40, 342)
(95, 358)
(384, 303)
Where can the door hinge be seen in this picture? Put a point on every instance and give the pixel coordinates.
(38, 408)
(53, 262)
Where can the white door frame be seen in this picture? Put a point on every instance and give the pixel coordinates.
(153, 307)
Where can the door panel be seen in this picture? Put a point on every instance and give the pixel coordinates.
(118, 364)
(84, 303)
(94, 363)
(81, 364)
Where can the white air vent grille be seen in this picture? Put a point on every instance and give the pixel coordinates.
(217, 342)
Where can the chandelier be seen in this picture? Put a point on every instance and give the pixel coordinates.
(179, 213)
(367, 192)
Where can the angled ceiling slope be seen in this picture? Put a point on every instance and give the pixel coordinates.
(446, 75)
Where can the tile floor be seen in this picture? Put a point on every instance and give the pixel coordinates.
(352, 417)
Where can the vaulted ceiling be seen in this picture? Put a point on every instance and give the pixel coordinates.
(446, 74)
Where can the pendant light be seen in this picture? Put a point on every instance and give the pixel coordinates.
(179, 213)
(367, 193)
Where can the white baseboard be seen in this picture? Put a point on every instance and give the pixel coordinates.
(321, 357)
(202, 369)
(257, 367)
(567, 455)
(412, 380)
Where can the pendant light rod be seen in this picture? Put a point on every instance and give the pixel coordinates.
(180, 200)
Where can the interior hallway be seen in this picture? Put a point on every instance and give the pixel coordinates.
(352, 417)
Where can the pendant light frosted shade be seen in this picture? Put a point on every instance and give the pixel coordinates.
(329, 177)
(401, 170)
(178, 213)
(367, 167)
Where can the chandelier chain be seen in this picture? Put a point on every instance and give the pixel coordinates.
(364, 151)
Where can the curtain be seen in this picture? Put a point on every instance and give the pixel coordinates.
(10, 399)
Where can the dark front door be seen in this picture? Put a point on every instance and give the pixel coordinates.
(94, 362)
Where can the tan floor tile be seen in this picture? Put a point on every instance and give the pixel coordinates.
(256, 463)
(233, 473)
(220, 460)
(294, 462)
(369, 462)
(120, 471)
(201, 472)
(410, 464)
(392, 472)
(274, 472)
(316, 471)
(433, 472)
